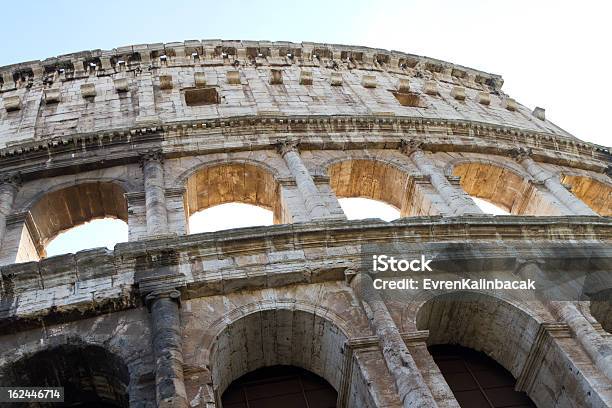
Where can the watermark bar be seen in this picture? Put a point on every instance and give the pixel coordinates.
(31, 394)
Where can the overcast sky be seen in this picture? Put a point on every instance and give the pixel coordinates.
(553, 54)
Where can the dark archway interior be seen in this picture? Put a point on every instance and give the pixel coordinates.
(280, 387)
(91, 376)
(477, 380)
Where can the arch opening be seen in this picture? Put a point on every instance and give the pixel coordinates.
(279, 387)
(505, 189)
(477, 380)
(507, 333)
(358, 208)
(302, 339)
(91, 375)
(381, 182)
(488, 207)
(593, 193)
(229, 215)
(222, 196)
(60, 211)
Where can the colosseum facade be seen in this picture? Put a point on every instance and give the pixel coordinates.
(284, 315)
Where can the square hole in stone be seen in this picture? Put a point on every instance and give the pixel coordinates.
(410, 99)
(201, 96)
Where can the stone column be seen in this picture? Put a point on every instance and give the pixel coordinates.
(9, 185)
(155, 198)
(573, 203)
(591, 341)
(167, 349)
(411, 386)
(456, 199)
(312, 201)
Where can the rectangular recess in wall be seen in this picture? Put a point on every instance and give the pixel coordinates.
(201, 96)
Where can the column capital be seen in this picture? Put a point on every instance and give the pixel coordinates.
(172, 294)
(409, 146)
(287, 145)
(151, 155)
(523, 262)
(12, 179)
(521, 153)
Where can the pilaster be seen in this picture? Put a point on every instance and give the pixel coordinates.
(456, 199)
(155, 198)
(575, 205)
(315, 208)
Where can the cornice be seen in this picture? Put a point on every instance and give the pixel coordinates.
(163, 258)
(223, 52)
(176, 140)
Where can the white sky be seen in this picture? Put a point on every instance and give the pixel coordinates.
(553, 54)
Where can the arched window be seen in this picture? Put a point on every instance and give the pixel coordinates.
(357, 208)
(594, 193)
(477, 380)
(74, 218)
(232, 195)
(378, 182)
(505, 189)
(488, 207)
(280, 387)
(91, 376)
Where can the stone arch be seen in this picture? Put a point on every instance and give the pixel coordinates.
(264, 334)
(90, 374)
(594, 192)
(242, 181)
(503, 185)
(69, 205)
(381, 180)
(514, 337)
(601, 309)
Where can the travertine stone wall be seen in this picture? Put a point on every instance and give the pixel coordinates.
(291, 128)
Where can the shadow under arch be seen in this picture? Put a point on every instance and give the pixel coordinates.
(91, 375)
(276, 334)
(235, 181)
(379, 180)
(515, 338)
(69, 206)
(504, 186)
(594, 193)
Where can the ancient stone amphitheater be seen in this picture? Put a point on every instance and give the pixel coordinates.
(283, 315)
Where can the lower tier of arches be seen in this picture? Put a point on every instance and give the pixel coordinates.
(315, 344)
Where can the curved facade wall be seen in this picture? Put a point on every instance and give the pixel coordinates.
(151, 134)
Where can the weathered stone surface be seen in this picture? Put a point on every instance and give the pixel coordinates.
(151, 134)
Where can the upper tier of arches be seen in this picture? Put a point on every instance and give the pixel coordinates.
(45, 207)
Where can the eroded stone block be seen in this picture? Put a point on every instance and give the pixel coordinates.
(121, 85)
(484, 98)
(305, 77)
(12, 103)
(276, 77)
(335, 79)
(199, 79)
(52, 95)
(511, 104)
(458, 92)
(539, 113)
(430, 88)
(88, 90)
(403, 85)
(233, 77)
(165, 82)
(368, 81)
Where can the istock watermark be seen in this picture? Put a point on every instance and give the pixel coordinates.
(554, 272)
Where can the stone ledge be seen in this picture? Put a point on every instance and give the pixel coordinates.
(32, 158)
